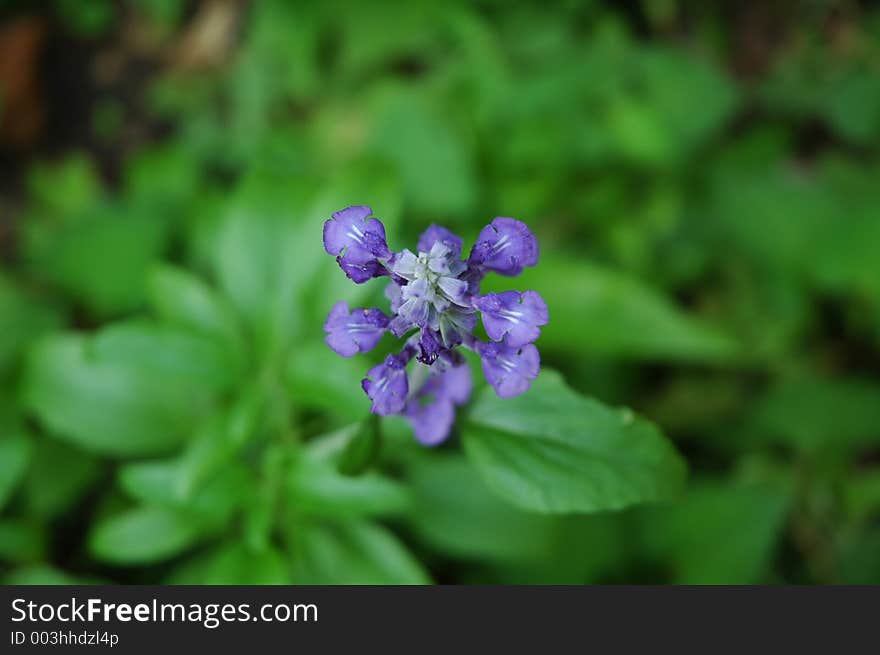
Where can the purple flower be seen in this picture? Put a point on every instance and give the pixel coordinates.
(435, 299)
(438, 233)
(429, 347)
(431, 411)
(354, 332)
(505, 246)
(358, 242)
(512, 316)
(509, 370)
(387, 386)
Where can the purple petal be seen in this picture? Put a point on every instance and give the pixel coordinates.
(505, 246)
(513, 316)
(352, 228)
(432, 412)
(454, 289)
(360, 273)
(473, 276)
(437, 233)
(358, 331)
(453, 384)
(392, 293)
(429, 346)
(400, 325)
(509, 370)
(415, 309)
(387, 386)
(403, 264)
(431, 422)
(358, 241)
(455, 325)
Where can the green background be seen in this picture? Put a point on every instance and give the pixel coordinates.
(703, 180)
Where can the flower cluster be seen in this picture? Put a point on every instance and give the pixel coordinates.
(435, 295)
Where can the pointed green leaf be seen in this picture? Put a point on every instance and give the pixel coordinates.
(15, 453)
(104, 406)
(183, 299)
(356, 552)
(142, 535)
(362, 448)
(552, 450)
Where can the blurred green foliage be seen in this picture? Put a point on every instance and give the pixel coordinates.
(702, 180)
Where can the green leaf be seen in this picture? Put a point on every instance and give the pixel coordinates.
(371, 41)
(180, 298)
(162, 177)
(845, 261)
(103, 406)
(59, 475)
(638, 133)
(362, 448)
(455, 512)
(21, 542)
(552, 450)
(717, 534)
(69, 187)
(207, 476)
(169, 484)
(319, 378)
(21, 320)
(142, 535)
(842, 91)
(769, 214)
(436, 166)
(234, 564)
(102, 258)
(43, 574)
(356, 552)
(787, 222)
(861, 495)
(86, 20)
(176, 356)
(164, 13)
(853, 106)
(587, 549)
(15, 453)
(220, 440)
(676, 103)
(814, 413)
(598, 311)
(156, 482)
(860, 564)
(266, 250)
(316, 488)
